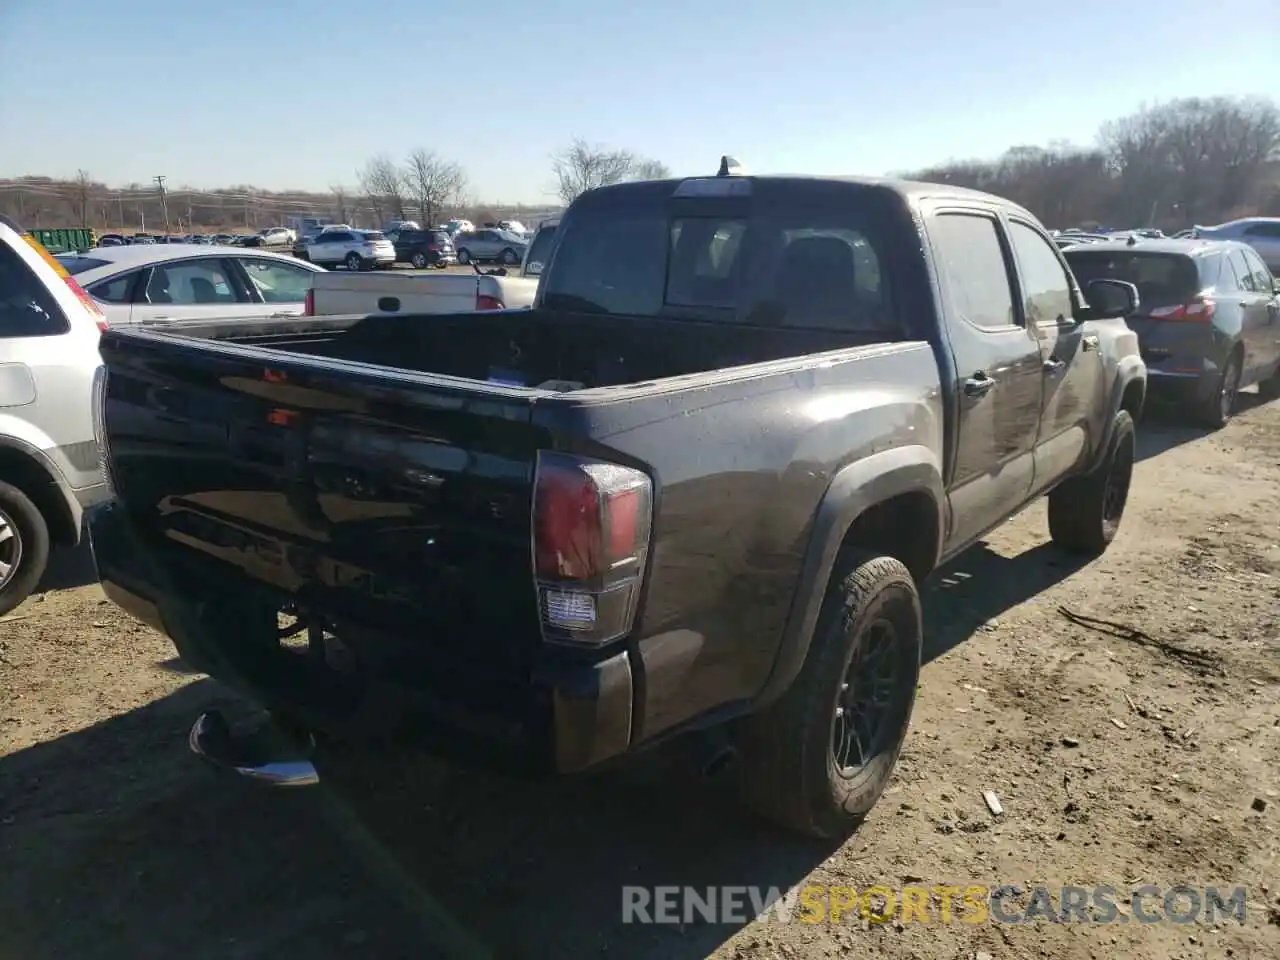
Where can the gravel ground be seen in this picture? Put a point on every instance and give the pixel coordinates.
(1118, 757)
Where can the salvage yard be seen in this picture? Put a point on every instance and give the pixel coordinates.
(1146, 751)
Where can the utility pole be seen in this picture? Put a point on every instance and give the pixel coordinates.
(164, 205)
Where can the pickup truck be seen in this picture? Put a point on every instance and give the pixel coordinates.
(692, 491)
(339, 294)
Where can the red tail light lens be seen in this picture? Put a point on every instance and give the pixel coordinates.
(487, 303)
(591, 526)
(309, 304)
(1200, 310)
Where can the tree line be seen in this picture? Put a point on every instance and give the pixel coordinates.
(1172, 165)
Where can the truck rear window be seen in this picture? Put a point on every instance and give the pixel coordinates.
(801, 269)
(1162, 279)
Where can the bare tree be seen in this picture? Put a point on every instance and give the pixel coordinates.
(340, 202)
(433, 182)
(82, 196)
(383, 183)
(583, 166)
(650, 170)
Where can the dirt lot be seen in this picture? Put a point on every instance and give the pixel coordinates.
(1117, 761)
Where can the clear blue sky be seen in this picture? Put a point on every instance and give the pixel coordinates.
(297, 93)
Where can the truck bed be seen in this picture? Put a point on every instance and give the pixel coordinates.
(529, 348)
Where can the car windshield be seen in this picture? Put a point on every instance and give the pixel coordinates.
(1162, 279)
(805, 267)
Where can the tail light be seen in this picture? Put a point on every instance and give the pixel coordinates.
(98, 409)
(487, 303)
(309, 303)
(1200, 310)
(591, 527)
(433, 247)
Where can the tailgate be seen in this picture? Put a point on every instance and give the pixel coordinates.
(381, 500)
(338, 294)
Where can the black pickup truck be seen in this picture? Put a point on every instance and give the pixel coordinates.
(692, 490)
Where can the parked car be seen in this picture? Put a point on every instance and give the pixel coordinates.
(1208, 321)
(482, 245)
(50, 472)
(424, 248)
(153, 284)
(354, 249)
(693, 490)
(1261, 233)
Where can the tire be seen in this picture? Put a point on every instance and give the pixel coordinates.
(419, 260)
(1216, 410)
(509, 257)
(1085, 511)
(464, 256)
(25, 548)
(791, 771)
(353, 261)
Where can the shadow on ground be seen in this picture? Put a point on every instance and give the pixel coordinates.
(1166, 425)
(980, 585)
(69, 567)
(117, 843)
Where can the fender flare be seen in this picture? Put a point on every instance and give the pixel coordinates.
(72, 512)
(1131, 369)
(853, 490)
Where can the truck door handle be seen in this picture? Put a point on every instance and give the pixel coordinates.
(1054, 365)
(1089, 343)
(979, 385)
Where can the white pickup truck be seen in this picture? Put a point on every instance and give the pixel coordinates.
(350, 292)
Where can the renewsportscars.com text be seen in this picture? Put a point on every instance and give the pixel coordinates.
(974, 904)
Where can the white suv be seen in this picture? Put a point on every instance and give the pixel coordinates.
(356, 249)
(50, 471)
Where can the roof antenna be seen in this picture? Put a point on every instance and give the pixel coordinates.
(729, 167)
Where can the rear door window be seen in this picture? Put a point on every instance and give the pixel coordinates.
(975, 276)
(191, 283)
(1262, 281)
(27, 308)
(1240, 270)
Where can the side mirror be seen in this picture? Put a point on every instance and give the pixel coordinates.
(1275, 287)
(1111, 299)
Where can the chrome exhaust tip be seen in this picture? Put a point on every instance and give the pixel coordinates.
(262, 753)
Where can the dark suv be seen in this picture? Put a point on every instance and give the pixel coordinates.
(425, 248)
(1208, 321)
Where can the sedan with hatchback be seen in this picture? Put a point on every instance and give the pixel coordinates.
(1208, 321)
(507, 248)
(156, 284)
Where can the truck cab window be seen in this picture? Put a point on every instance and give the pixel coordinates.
(1046, 289)
(975, 279)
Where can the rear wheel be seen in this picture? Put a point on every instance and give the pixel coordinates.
(353, 261)
(24, 547)
(419, 260)
(1216, 409)
(818, 759)
(1085, 511)
(464, 256)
